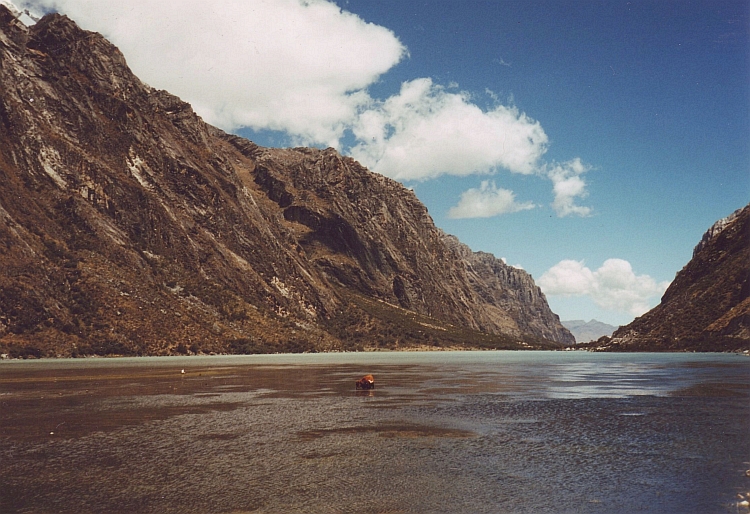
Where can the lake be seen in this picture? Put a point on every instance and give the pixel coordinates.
(476, 432)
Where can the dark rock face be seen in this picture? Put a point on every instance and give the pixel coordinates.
(707, 306)
(129, 226)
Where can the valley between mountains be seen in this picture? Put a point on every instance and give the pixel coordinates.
(128, 226)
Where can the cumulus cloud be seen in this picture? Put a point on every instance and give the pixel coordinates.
(614, 286)
(296, 66)
(426, 131)
(303, 67)
(568, 185)
(487, 201)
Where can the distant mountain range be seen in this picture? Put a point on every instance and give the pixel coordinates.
(585, 331)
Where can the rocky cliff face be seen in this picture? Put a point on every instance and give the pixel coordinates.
(514, 301)
(707, 306)
(129, 226)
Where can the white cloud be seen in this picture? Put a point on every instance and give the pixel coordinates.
(487, 201)
(425, 132)
(505, 261)
(303, 67)
(614, 286)
(567, 278)
(291, 65)
(568, 184)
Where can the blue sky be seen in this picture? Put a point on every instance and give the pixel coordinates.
(652, 95)
(589, 142)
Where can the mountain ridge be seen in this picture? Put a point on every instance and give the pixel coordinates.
(132, 227)
(707, 305)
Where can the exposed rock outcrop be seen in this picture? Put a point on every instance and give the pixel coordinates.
(707, 306)
(129, 226)
(514, 301)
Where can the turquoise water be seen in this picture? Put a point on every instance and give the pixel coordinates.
(515, 432)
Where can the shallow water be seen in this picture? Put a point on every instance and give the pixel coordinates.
(509, 432)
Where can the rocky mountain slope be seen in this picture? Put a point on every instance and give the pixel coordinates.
(129, 226)
(585, 331)
(707, 306)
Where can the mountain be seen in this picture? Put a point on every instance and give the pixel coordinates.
(707, 306)
(129, 226)
(585, 331)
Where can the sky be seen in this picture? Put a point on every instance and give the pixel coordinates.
(591, 143)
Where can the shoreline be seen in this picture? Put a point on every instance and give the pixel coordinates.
(411, 349)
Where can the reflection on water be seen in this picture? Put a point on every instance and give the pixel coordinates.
(511, 432)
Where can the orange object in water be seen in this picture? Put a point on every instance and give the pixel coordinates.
(366, 382)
